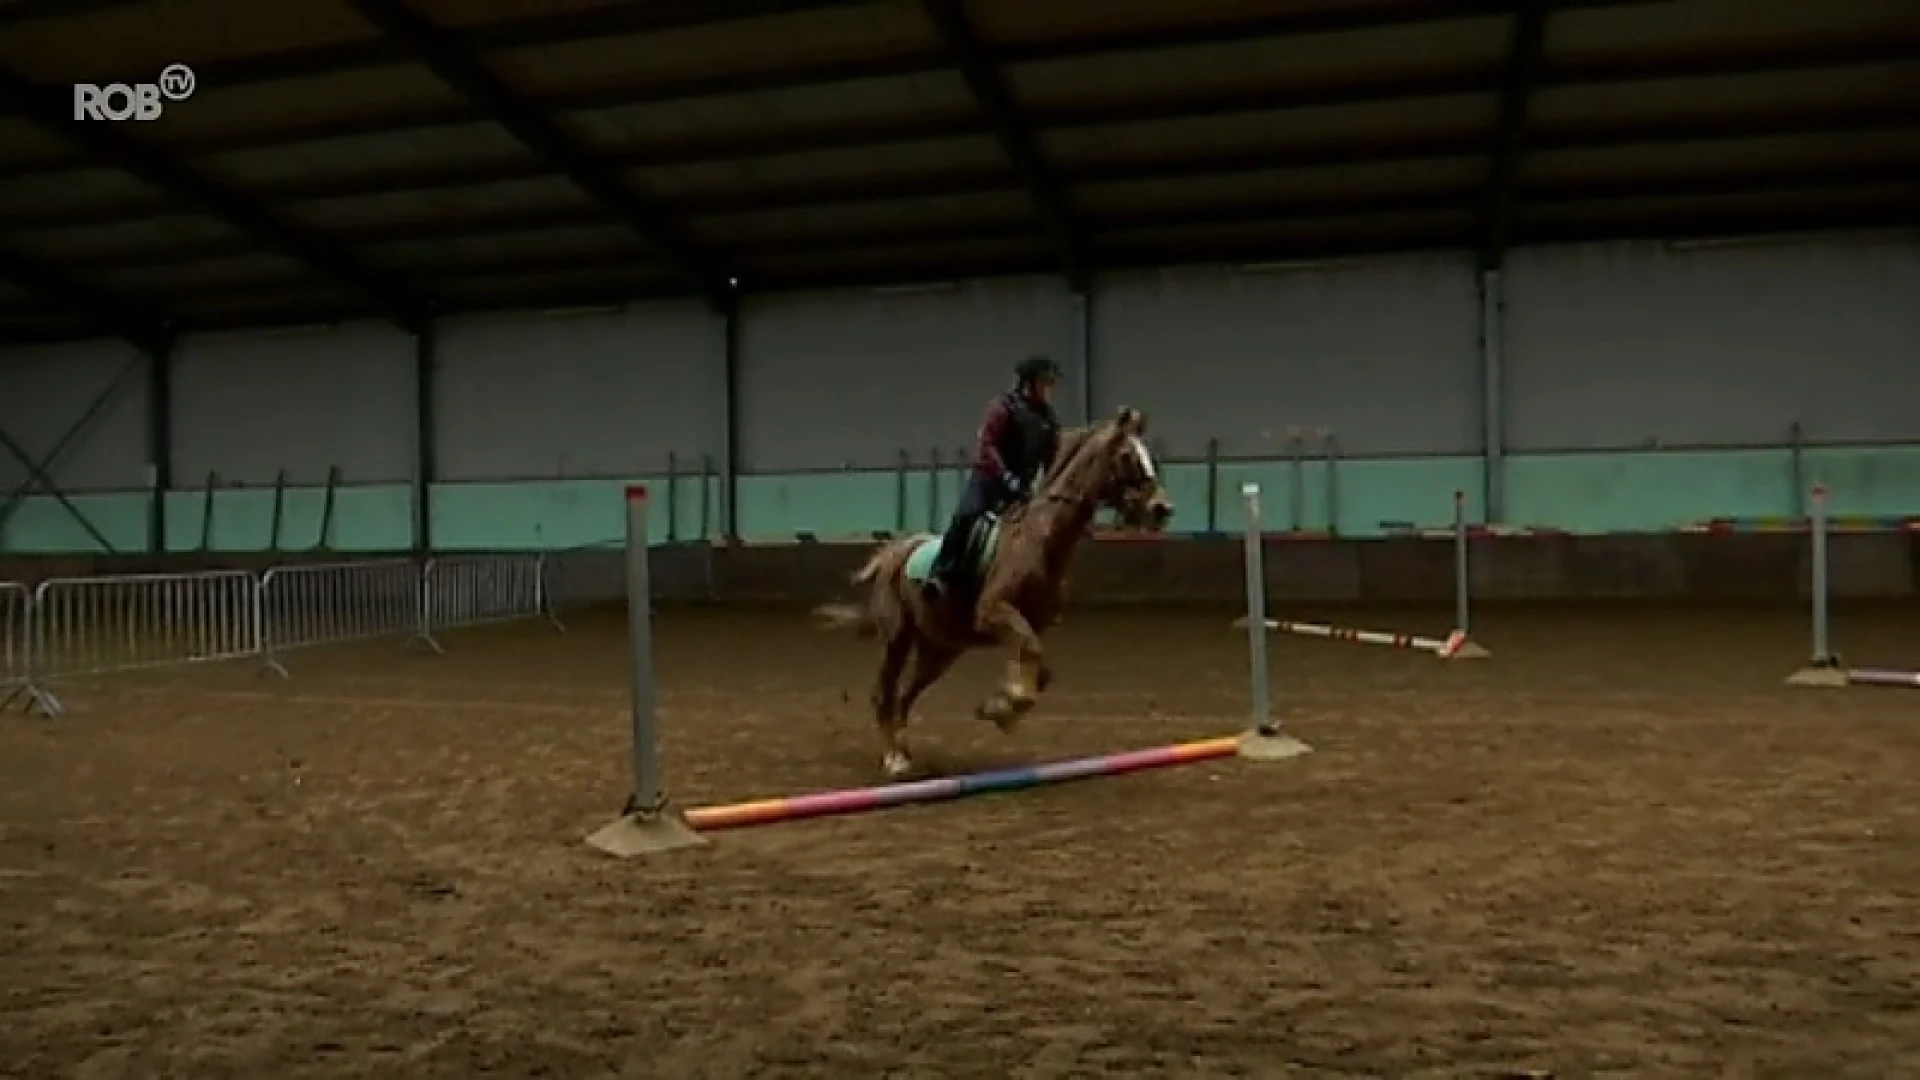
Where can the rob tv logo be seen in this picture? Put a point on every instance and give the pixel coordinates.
(132, 101)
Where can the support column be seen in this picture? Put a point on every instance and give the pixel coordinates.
(1493, 417)
(426, 460)
(1083, 352)
(730, 422)
(159, 442)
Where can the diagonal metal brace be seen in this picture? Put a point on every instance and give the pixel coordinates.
(39, 474)
(100, 400)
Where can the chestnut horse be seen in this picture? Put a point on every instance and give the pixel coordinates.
(1017, 596)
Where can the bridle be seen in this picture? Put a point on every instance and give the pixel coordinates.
(1091, 501)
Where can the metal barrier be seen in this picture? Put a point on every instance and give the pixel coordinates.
(70, 627)
(16, 671)
(103, 625)
(473, 590)
(336, 603)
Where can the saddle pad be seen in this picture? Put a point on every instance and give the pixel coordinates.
(980, 551)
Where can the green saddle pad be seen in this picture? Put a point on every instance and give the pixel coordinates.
(980, 549)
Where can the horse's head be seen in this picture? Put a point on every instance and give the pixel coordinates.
(1111, 465)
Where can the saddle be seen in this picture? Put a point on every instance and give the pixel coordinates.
(983, 539)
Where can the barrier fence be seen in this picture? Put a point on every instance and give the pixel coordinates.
(69, 628)
(138, 622)
(475, 590)
(337, 603)
(14, 599)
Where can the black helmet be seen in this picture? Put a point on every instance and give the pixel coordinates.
(1037, 367)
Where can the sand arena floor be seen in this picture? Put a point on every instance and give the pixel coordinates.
(1617, 848)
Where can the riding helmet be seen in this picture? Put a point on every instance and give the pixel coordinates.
(1037, 367)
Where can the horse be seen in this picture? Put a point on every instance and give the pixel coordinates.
(1019, 577)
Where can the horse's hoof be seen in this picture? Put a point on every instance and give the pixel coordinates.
(1005, 711)
(897, 764)
(1043, 679)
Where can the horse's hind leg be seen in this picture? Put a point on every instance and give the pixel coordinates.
(929, 663)
(888, 715)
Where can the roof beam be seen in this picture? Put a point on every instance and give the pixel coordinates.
(51, 112)
(1856, 184)
(25, 11)
(426, 41)
(123, 318)
(610, 19)
(982, 74)
(1295, 158)
(1503, 165)
(632, 17)
(1800, 56)
(1439, 145)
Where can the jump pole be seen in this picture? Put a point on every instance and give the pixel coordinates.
(1264, 740)
(648, 824)
(1823, 669)
(1457, 645)
(944, 788)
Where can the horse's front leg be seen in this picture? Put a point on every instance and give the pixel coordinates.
(1024, 671)
(888, 715)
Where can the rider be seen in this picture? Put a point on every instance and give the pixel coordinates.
(1017, 439)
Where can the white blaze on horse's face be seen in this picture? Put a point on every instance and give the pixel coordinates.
(1146, 459)
(1157, 508)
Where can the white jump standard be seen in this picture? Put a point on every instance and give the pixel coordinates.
(649, 823)
(1823, 669)
(1264, 740)
(1457, 645)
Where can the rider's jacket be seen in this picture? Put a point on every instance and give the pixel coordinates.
(1017, 439)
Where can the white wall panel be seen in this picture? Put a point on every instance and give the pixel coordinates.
(45, 390)
(833, 380)
(1638, 345)
(579, 395)
(1384, 353)
(247, 405)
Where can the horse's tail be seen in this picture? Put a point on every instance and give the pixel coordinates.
(875, 562)
(845, 617)
(864, 619)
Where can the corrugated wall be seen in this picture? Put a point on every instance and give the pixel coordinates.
(1633, 346)
(848, 380)
(44, 391)
(535, 397)
(1620, 346)
(1385, 353)
(246, 406)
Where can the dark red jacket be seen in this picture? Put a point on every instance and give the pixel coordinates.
(1018, 438)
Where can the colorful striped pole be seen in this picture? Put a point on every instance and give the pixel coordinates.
(944, 788)
(1824, 669)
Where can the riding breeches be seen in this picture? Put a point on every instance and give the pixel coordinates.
(980, 497)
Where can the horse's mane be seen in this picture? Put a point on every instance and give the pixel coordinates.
(1072, 441)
